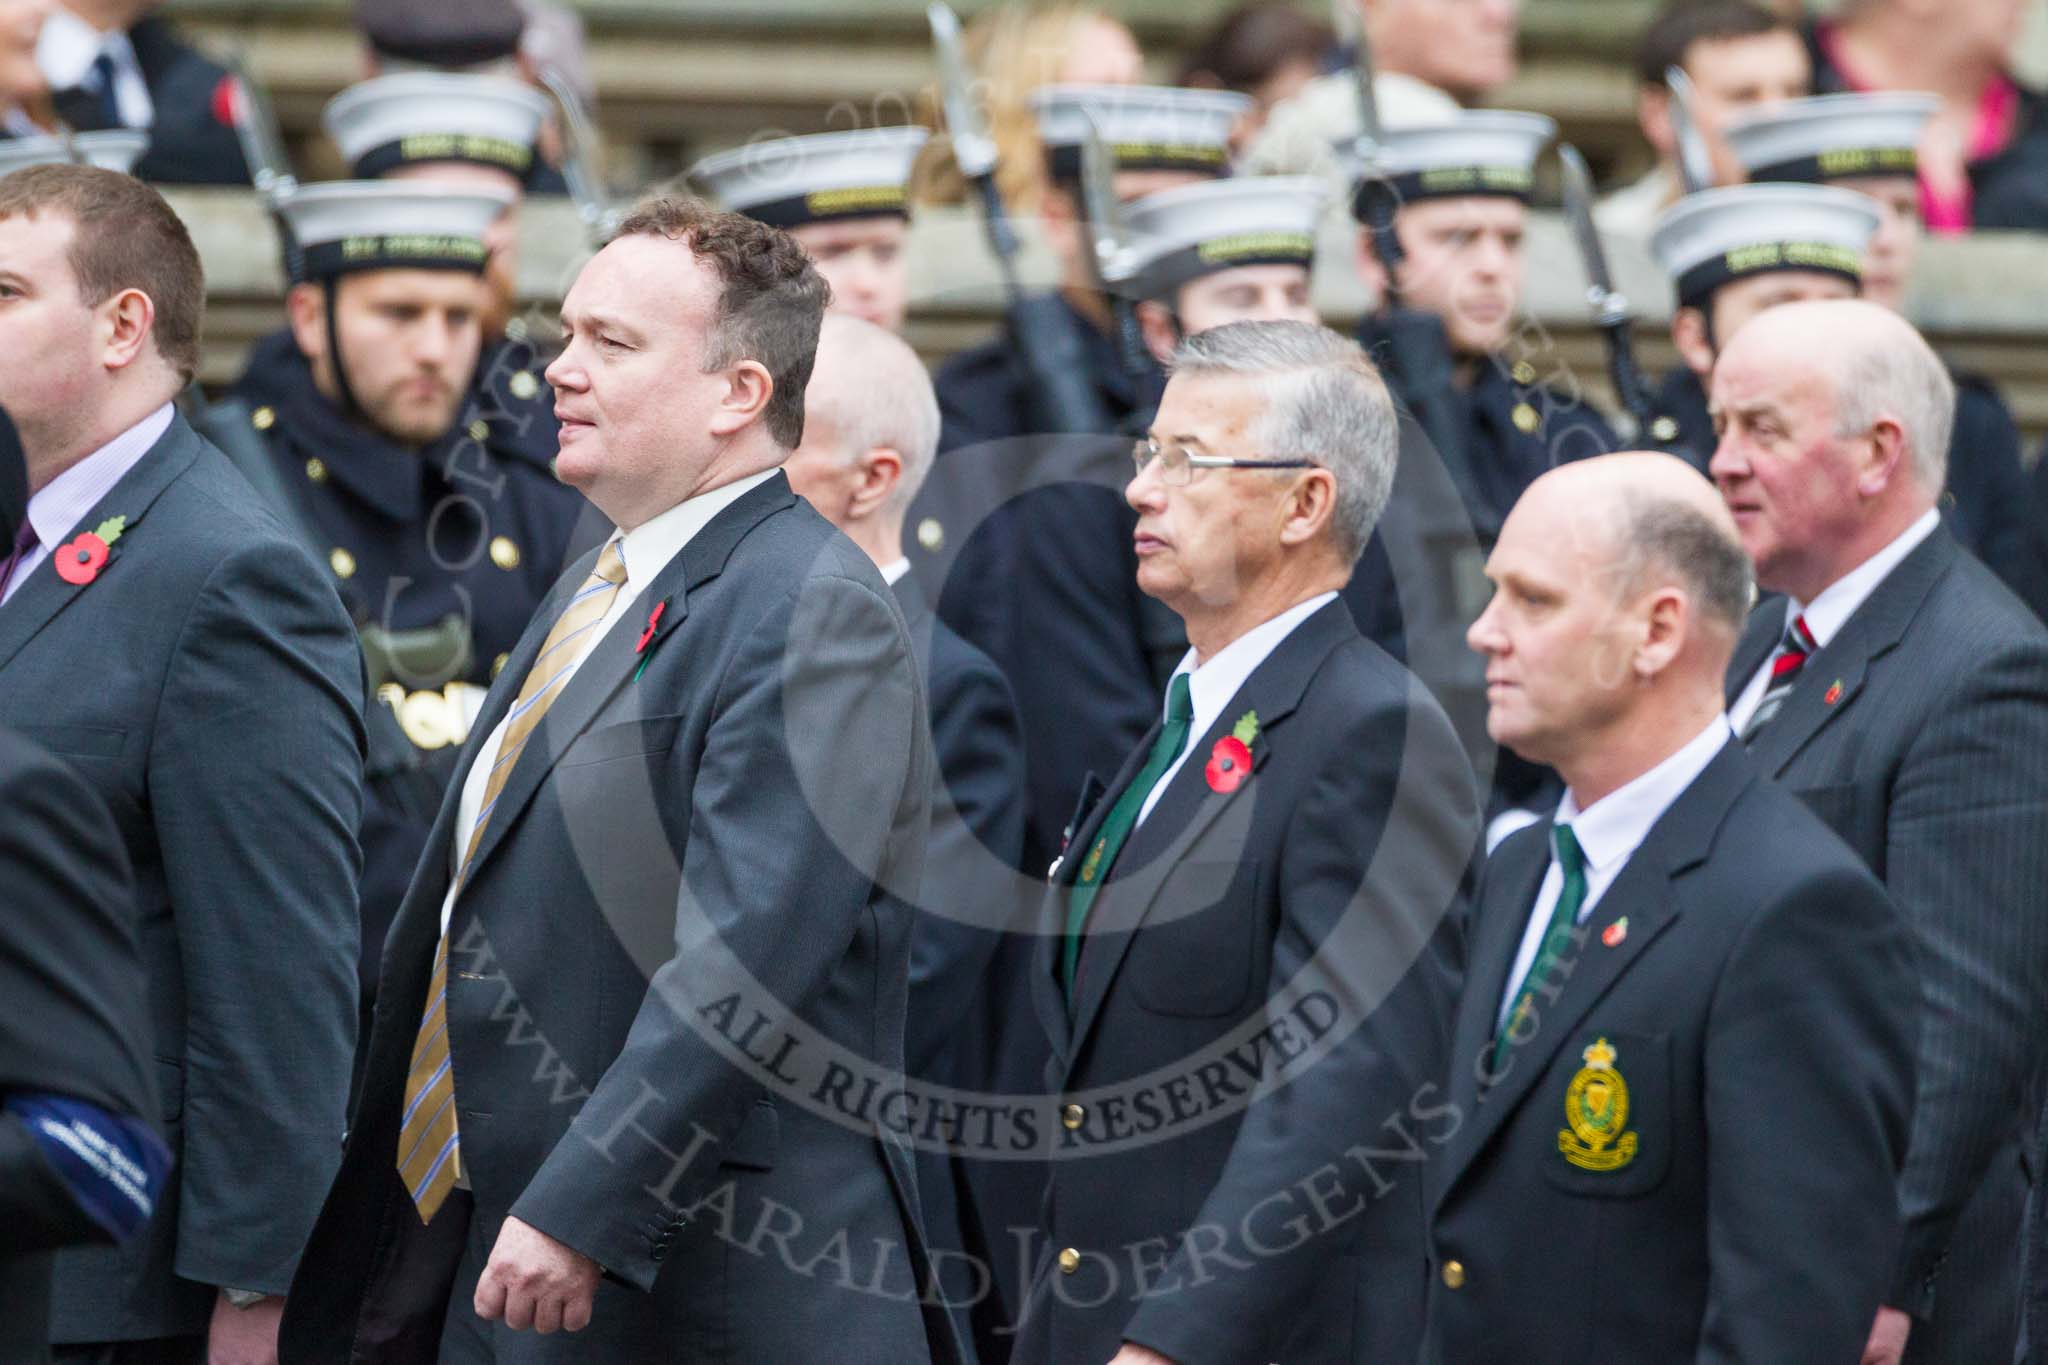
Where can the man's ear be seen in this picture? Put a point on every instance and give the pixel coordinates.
(1689, 335)
(1156, 325)
(1653, 116)
(879, 471)
(126, 318)
(305, 307)
(748, 387)
(1309, 508)
(1664, 629)
(1366, 258)
(1886, 460)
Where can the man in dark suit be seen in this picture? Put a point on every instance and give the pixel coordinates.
(1680, 1073)
(1867, 143)
(75, 1079)
(115, 64)
(871, 427)
(1898, 689)
(1026, 492)
(162, 632)
(74, 1040)
(665, 897)
(1239, 976)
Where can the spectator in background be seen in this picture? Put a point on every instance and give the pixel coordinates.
(1429, 57)
(1268, 49)
(1015, 49)
(114, 64)
(1740, 55)
(1984, 159)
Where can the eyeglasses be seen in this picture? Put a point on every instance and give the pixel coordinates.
(1177, 464)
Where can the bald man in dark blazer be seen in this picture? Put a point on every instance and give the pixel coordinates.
(1679, 1070)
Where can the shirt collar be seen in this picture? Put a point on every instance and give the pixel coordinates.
(1828, 612)
(893, 573)
(650, 546)
(1211, 686)
(64, 500)
(1613, 827)
(67, 45)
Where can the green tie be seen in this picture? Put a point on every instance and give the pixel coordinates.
(1122, 818)
(1556, 938)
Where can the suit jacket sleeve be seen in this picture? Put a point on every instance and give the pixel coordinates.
(1403, 823)
(977, 828)
(1808, 1084)
(72, 979)
(813, 769)
(255, 777)
(1966, 856)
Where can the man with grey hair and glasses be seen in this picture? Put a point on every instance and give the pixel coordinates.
(1240, 975)
(1900, 689)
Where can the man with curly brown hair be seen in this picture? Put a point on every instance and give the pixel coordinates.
(662, 926)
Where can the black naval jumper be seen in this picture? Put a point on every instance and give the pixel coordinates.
(468, 533)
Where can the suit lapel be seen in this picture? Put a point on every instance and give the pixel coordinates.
(1833, 678)
(42, 596)
(1046, 995)
(1513, 877)
(1189, 810)
(1766, 626)
(1125, 902)
(1646, 894)
(617, 655)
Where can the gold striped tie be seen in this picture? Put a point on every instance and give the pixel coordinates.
(428, 1149)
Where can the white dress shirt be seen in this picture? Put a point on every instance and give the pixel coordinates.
(646, 550)
(1211, 686)
(1609, 831)
(1831, 610)
(62, 503)
(892, 573)
(66, 49)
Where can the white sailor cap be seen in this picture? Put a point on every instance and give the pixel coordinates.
(790, 181)
(1707, 239)
(1144, 127)
(1833, 137)
(115, 149)
(349, 225)
(1475, 152)
(1185, 233)
(395, 121)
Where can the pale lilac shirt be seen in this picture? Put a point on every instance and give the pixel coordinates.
(64, 501)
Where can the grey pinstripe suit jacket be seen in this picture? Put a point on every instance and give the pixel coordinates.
(1920, 734)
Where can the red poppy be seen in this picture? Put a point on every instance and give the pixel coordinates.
(653, 619)
(80, 561)
(1230, 763)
